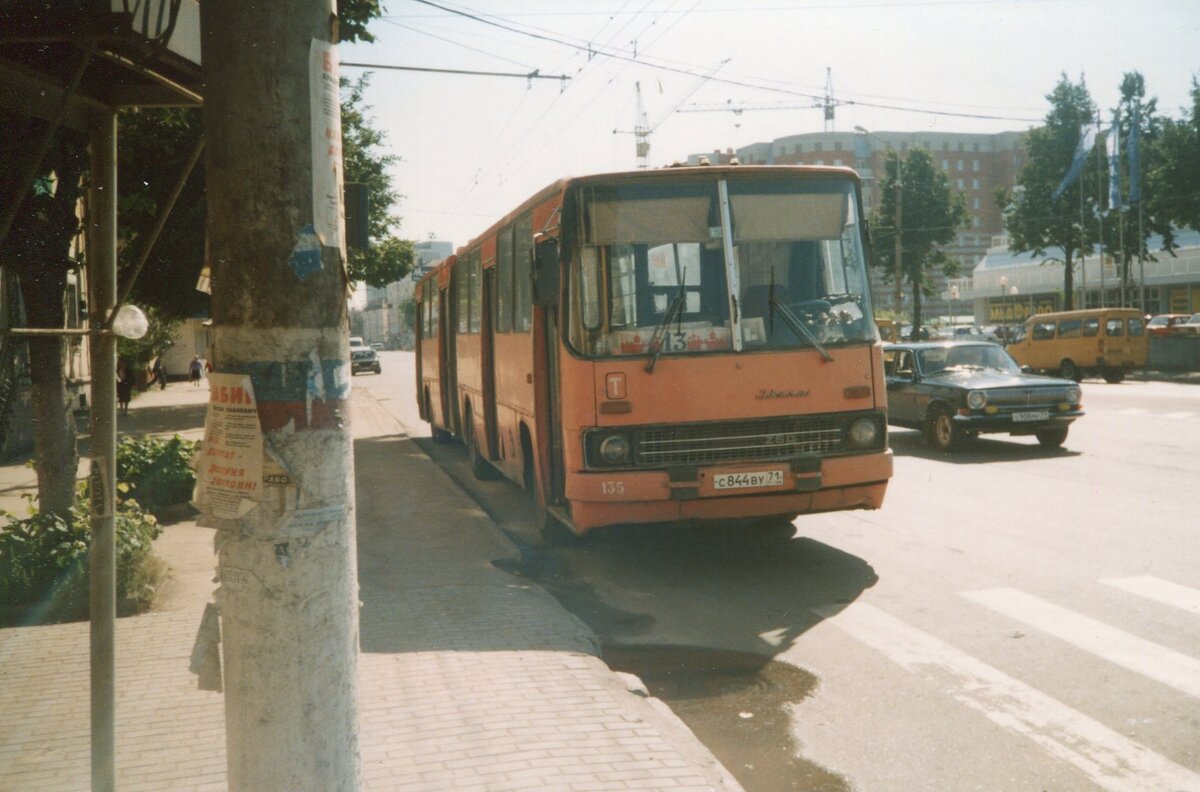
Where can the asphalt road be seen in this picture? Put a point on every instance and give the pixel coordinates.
(1013, 618)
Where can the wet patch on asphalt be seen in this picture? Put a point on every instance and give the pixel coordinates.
(739, 705)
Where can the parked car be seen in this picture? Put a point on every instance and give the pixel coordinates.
(1190, 327)
(1164, 324)
(1106, 342)
(377, 347)
(965, 333)
(362, 357)
(955, 390)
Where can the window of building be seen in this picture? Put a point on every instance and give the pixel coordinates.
(818, 146)
(960, 163)
(974, 184)
(974, 164)
(945, 165)
(837, 145)
(822, 162)
(960, 145)
(975, 222)
(974, 147)
(958, 183)
(837, 162)
(975, 203)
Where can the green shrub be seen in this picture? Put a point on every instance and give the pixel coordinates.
(44, 561)
(157, 470)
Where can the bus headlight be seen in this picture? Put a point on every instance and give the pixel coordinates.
(976, 400)
(1074, 395)
(863, 433)
(614, 449)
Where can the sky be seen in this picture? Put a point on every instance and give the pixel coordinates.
(473, 147)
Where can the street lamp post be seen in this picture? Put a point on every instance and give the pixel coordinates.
(953, 303)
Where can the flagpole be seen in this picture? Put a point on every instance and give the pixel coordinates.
(1100, 218)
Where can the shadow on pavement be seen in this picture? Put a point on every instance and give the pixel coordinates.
(426, 573)
(984, 450)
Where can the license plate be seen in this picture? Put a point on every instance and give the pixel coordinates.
(746, 480)
(1031, 415)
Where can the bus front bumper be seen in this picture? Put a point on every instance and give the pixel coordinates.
(728, 491)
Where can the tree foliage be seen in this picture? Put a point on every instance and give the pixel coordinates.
(1174, 175)
(388, 258)
(1035, 219)
(931, 215)
(154, 146)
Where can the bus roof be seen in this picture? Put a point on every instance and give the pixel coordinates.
(644, 174)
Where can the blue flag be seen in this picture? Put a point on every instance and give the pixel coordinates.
(1114, 166)
(1087, 140)
(1132, 158)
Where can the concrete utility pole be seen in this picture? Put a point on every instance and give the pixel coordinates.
(288, 578)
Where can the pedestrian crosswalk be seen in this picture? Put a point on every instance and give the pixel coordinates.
(1108, 759)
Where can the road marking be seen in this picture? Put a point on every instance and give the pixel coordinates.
(1137, 654)
(1159, 590)
(1179, 415)
(1110, 760)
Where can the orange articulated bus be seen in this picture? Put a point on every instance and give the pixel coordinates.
(670, 345)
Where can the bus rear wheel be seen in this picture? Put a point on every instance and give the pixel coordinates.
(480, 467)
(1113, 375)
(1068, 370)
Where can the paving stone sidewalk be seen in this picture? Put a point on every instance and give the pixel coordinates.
(470, 679)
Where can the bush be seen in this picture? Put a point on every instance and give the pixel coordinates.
(44, 561)
(157, 471)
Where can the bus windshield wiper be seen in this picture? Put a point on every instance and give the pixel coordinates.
(674, 311)
(797, 327)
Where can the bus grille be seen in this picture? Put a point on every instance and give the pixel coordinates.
(706, 444)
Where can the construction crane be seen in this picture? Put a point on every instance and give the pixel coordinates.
(828, 104)
(642, 128)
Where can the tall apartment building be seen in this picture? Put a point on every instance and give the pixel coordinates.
(975, 164)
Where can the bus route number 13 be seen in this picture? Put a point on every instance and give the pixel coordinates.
(612, 487)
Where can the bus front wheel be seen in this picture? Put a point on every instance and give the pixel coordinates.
(1068, 370)
(552, 531)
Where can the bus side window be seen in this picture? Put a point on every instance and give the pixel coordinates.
(1091, 327)
(1113, 327)
(1136, 328)
(1069, 328)
(1043, 331)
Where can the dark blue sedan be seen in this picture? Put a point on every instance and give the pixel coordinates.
(954, 390)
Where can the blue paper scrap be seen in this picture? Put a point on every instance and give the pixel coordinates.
(306, 255)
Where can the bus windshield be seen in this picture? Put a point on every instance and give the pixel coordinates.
(656, 265)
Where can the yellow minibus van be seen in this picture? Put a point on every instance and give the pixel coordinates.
(1106, 342)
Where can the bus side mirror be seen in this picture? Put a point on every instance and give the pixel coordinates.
(545, 272)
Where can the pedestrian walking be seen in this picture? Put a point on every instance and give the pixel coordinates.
(124, 385)
(157, 374)
(194, 369)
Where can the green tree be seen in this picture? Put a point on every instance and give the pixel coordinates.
(1133, 224)
(1037, 220)
(38, 250)
(388, 258)
(931, 214)
(1174, 176)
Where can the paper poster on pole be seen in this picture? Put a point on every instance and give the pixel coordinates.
(329, 214)
(230, 468)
